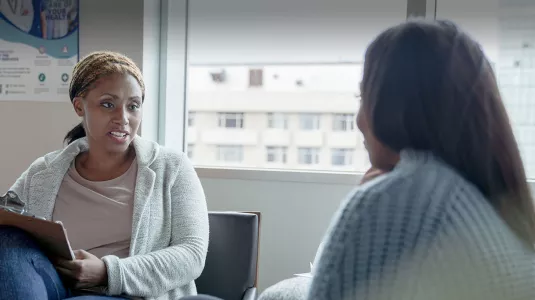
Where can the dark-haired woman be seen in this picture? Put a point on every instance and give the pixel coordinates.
(453, 218)
(135, 212)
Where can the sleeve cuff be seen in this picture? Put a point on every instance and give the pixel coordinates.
(114, 275)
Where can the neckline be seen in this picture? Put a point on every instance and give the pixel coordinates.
(119, 178)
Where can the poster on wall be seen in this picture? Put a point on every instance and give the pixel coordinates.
(38, 49)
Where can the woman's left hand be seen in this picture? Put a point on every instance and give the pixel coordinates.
(85, 271)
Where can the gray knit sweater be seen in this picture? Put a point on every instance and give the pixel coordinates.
(422, 232)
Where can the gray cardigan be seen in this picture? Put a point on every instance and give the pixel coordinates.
(422, 232)
(170, 219)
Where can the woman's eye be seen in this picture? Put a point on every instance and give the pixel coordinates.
(107, 105)
(134, 107)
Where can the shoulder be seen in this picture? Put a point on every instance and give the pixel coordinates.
(43, 162)
(413, 193)
(161, 159)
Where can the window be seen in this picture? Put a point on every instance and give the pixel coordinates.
(343, 122)
(276, 154)
(231, 120)
(277, 121)
(342, 157)
(283, 80)
(309, 156)
(230, 154)
(506, 32)
(256, 77)
(190, 149)
(309, 121)
(191, 119)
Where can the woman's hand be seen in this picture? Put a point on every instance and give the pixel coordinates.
(85, 271)
(371, 174)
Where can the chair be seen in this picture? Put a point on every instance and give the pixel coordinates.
(231, 268)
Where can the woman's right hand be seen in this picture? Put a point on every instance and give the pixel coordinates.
(371, 174)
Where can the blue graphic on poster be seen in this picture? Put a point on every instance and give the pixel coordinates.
(38, 49)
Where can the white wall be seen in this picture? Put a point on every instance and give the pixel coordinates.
(295, 216)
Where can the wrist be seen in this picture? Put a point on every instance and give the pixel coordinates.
(104, 274)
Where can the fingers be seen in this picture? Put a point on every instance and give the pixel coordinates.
(371, 174)
(67, 273)
(69, 264)
(81, 254)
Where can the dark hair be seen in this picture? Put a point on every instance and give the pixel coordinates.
(93, 67)
(77, 132)
(428, 86)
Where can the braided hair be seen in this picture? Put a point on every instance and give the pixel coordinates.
(90, 69)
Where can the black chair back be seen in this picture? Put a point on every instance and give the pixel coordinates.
(232, 260)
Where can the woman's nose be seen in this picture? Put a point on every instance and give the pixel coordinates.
(121, 117)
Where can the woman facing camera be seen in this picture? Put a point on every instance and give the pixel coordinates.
(454, 217)
(134, 211)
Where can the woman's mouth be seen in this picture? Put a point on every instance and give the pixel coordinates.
(118, 136)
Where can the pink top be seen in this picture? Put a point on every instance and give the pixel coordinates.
(97, 214)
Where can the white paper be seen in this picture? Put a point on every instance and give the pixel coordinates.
(307, 275)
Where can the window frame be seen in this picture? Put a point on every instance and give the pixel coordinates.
(256, 77)
(280, 153)
(346, 122)
(172, 121)
(191, 119)
(313, 152)
(223, 119)
(277, 118)
(190, 151)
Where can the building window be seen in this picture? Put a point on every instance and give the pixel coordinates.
(276, 154)
(256, 77)
(190, 150)
(309, 121)
(308, 156)
(230, 120)
(191, 119)
(277, 121)
(232, 154)
(280, 80)
(342, 156)
(343, 122)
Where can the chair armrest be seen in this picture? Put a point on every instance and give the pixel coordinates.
(250, 294)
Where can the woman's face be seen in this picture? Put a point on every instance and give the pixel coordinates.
(381, 157)
(111, 112)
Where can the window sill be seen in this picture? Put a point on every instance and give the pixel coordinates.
(305, 176)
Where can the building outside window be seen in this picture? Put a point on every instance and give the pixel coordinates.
(276, 154)
(277, 121)
(230, 153)
(309, 121)
(190, 150)
(256, 77)
(308, 156)
(230, 120)
(342, 156)
(343, 122)
(191, 119)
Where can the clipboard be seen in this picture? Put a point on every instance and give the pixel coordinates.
(51, 236)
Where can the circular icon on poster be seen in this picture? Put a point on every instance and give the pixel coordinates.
(42, 50)
(42, 77)
(64, 77)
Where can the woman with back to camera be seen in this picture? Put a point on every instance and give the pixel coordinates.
(453, 218)
(134, 211)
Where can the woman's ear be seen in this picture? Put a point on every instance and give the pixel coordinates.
(78, 105)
